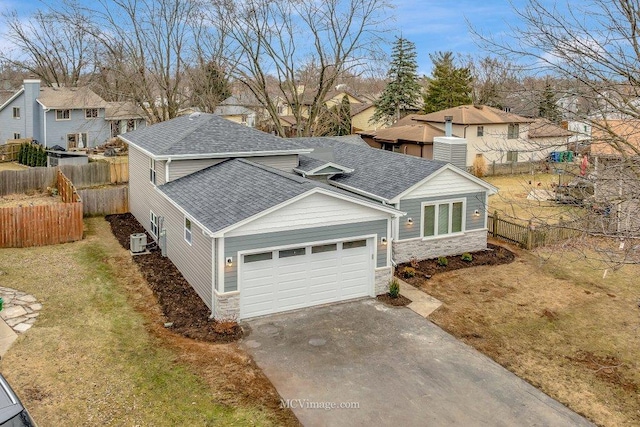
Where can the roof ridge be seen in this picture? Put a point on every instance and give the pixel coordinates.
(208, 116)
(274, 171)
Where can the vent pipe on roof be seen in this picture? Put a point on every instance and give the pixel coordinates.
(448, 125)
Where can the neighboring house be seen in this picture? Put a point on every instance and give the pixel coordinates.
(258, 224)
(242, 109)
(615, 154)
(361, 110)
(69, 117)
(124, 117)
(496, 135)
(548, 136)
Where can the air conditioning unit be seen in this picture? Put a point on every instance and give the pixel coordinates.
(138, 243)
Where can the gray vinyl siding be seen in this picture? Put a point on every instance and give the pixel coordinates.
(180, 168)
(160, 172)
(284, 163)
(193, 261)
(256, 241)
(97, 130)
(413, 208)
(456, 154)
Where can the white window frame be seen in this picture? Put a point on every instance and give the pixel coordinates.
(16, 113)
(513, 131)
(153, 224)
(16, 135)
(188, 235)
(58, 119)
(89, 116)
(437, 203)
(152, 171)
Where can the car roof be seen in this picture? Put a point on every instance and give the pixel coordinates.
(10, 405)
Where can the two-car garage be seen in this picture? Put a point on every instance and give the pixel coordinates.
(286, 278)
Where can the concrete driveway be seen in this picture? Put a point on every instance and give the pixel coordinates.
(395, 367)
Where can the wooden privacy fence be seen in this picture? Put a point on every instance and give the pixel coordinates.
(38, 179)
(105, 201)
(530, 236)
(9, 152)
(44, 224)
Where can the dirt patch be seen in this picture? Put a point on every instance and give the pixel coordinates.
(183, 310)
(606, 368)
(399, 301)
(493, 255)
(29, 199)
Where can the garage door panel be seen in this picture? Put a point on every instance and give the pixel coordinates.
(303, 277)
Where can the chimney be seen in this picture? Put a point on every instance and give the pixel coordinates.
(448, 125)
(33, 109)
(451, 149)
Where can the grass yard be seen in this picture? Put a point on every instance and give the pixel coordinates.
(99, 354)
(511, 200)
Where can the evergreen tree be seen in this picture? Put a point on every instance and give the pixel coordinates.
(402, 93)
(449, 86)
(547, 106)
(344, 117)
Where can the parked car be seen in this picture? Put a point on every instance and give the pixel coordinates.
(12, 412)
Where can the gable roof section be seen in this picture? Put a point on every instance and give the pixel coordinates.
(472, 115)
(10, 99)
(203, 135)
(543, 128)
(69, 98)
(312, 166)
(123, 110)
(378, 174)
(231, 193)
(416, 132)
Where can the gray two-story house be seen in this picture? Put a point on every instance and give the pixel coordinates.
(258, 224)
(69, 117)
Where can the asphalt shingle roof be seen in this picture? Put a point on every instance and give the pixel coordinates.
(234, 190)
(383, 173)
(205, 134)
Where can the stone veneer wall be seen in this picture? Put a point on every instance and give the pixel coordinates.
(227, 306)
(420, 249)
(382, 278)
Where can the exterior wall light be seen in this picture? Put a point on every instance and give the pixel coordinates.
(229, 261)
(476, 213)
(409, 221)
(383, 240)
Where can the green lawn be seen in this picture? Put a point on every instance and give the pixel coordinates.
(93, 359)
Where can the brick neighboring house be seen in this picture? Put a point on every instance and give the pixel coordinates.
(70, 117)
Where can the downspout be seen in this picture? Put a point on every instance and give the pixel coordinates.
(213, 277)
(166, 170)
(46, 110)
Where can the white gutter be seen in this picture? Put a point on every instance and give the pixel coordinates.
(166, 171)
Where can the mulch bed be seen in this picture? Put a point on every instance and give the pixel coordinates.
(493, 255)
(400, 301)
(180, 303)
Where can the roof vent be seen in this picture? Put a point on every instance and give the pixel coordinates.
(195, 115)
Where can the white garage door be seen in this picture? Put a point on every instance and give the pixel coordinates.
(286, 279)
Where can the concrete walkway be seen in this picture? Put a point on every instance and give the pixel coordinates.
(421, 302)
(17, 316)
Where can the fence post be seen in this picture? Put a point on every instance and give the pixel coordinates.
(529, 242)
(495, 223)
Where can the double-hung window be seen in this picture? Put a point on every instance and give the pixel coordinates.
(16, 112)
(152, 171)
(442, 218)
(513, 131)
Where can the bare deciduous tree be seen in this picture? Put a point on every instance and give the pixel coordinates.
(307, 46)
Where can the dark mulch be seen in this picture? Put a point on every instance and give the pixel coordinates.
(399, 301)
(180, 303)
(493, 255)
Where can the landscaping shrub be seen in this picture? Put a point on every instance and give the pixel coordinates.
(409, 272)
(394, 289)
(467, 257)
(443, 261)
(32, 155)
